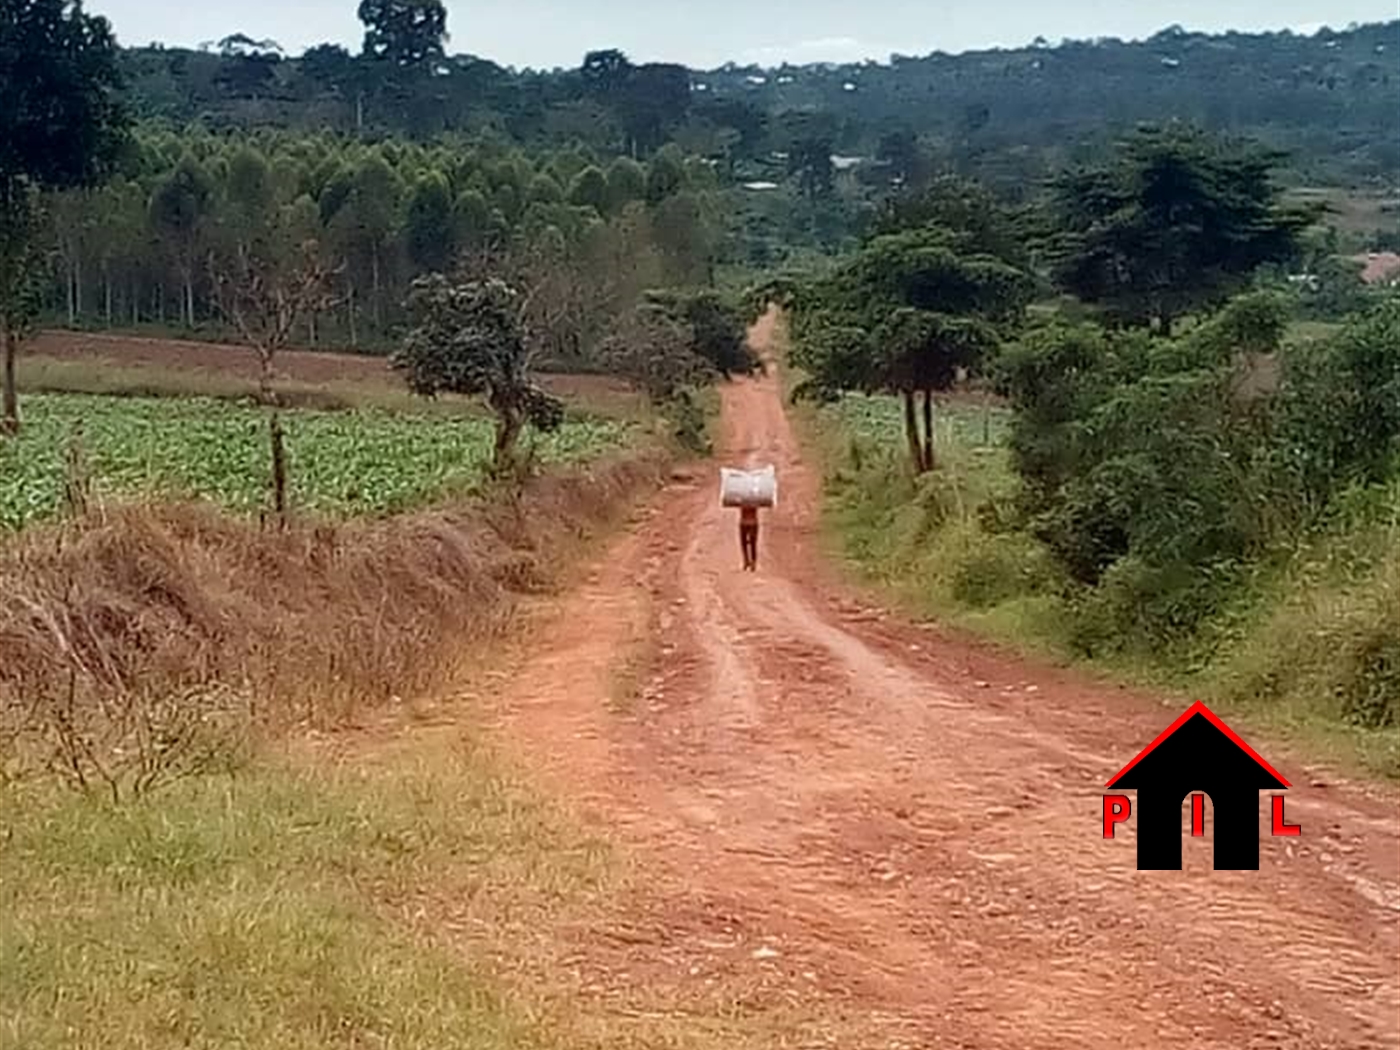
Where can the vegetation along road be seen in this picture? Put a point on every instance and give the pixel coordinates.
(858, 811)
(377, 664)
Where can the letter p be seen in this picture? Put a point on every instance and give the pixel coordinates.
(1116, 809)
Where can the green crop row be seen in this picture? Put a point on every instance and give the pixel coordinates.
(343, 463)
(880, 418)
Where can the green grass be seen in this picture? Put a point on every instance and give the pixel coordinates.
(1308, 646)
(268, 910)
(1312, 331)
(363, 462)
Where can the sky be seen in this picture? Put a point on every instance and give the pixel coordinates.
(544, 34)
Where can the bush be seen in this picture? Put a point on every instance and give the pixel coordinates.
(691, 426)
(997, 569)
(1369, 684)
(1139, 608)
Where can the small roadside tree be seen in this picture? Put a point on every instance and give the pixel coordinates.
(469, 338)
(265, 295)
(716, 328)
(655, 349)
(265, 285)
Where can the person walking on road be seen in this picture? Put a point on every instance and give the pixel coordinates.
(748, 537)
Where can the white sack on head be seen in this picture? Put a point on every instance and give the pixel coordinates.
(748, 488)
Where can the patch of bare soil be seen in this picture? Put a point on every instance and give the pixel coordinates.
(312, 367)
(886, 835)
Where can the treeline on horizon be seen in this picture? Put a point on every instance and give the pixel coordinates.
(401, 159)
(591, 233)
(1009, 117)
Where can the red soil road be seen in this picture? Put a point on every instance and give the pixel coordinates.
(862, 817)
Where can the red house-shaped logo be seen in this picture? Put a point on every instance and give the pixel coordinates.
(1198, 753)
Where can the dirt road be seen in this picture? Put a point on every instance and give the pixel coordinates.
(845, 816)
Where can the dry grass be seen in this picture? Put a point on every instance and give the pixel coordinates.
(413, 895)
(268, 911)
(103, 621)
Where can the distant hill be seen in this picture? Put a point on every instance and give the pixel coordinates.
(1329, 99)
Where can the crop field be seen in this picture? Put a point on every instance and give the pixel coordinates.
(962, 423)
(343, 463)
(970, 440)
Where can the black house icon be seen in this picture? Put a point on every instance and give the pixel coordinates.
(1198, 752)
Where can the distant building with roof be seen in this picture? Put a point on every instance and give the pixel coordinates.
(1379, 267)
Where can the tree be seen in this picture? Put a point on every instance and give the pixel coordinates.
(332, 70)
(60, 127)
(1150, 475)
(1177, 222)
(249, 66)
(961, 206)
(248, 193)
(362, 216)
(686, 237)
(180, 210)
(653, 346)
(408, 33)
(429, 232)
(265, 286)
(20, 261)
(810, 160)
(904, 159)
(1338, 413)
(657, 97)
(627, 182)
(606, 74)
(906, 315)
(471, 218)
(666, 175)
(589, 189)
(716, 329)
(467, 338)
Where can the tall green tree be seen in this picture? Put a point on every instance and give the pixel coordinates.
(589, 189)
(1178, 221)
(61, 126)
(181, 209)
(364, 226)
(429, 233)
(961, 206)
(810, 160)
(606, 74)
(408, 33)
(627, 182)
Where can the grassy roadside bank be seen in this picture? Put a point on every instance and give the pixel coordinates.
(1305, 645)
(230, 877)
(134, 641)
(275, 908)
